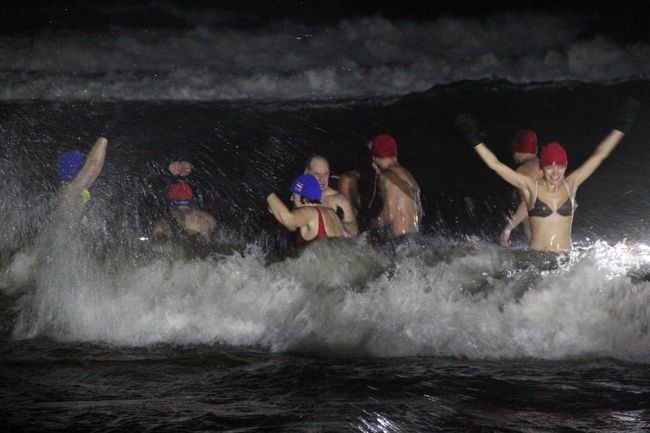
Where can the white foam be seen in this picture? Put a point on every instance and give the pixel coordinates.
(364, 57)
(475, 302)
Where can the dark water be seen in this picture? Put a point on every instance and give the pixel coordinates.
(104, 332)
(85, 387)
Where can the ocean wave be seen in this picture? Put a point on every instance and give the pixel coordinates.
(438, 298)
(368, 57)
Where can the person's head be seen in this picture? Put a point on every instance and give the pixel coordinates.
(180, 168)
(553, 162)
(383, 149)
(318, 167)
(70, 164)
(306, 189)
(524, 145)
(181, 194)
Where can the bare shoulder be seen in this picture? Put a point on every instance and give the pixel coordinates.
(304, 211)
(351, 175)
(530, 168)
(402, 173)
(332, 196)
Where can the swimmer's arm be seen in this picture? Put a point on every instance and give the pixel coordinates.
(291, 220)
(162, 229)
(349, 220)
(344, 185)
(603, 150)
(520, 215)
(93, 165)
(515, 179)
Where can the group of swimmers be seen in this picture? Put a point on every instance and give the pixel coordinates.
(320, 212)
(380, 195)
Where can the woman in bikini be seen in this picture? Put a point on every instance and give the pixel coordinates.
(551, 199)
(310, 220)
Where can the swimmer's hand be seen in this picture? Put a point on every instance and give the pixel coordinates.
(469, 128)
(627, 116)
(180, 168)
(504, 238)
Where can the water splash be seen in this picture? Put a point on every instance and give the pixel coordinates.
(347, 298)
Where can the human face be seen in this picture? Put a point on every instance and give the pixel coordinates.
(554, 174)
(321, 171)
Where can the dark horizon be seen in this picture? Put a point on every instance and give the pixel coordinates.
(624, 21)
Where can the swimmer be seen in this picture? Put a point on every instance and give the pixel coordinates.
(400, 194)
(309, 218)
(183, 220)
(77, 172)
(524, 152)
(550, 201)
(359, 186)
(319, 167)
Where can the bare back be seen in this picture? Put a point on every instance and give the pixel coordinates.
(402, 210)
(333, 225)
(191, 221)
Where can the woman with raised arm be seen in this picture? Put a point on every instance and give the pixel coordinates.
(77, 172)
(551, 199)
(309, 218)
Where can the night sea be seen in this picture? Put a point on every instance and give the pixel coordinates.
(104, 329)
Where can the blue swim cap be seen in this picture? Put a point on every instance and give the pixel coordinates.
(307, 186)
(69, 165)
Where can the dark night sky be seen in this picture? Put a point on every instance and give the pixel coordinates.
(625, 20)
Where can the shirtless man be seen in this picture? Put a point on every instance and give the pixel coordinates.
(183, 219)
(77, 172)
(400, 193)
(309, 218)
(318, 167)
(524, 148)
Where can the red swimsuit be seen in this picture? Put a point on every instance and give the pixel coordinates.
(321, 230)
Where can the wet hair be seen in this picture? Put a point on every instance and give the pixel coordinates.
(364, 156)
(305, 200)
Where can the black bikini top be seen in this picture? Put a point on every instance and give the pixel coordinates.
(542, 210)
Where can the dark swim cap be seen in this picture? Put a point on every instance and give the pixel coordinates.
(181, 194)
(525, 141)
(69, 165)
(553, 153)
(384, 146)
(307, 186)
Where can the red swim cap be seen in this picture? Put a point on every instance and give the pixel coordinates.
(553, 153)
(384, 146)
(181, 193)
(525, 141)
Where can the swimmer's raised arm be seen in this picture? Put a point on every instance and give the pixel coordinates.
(469, 127)
(93, 165)
(603, 150)
(290, 219)
(623, 125)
